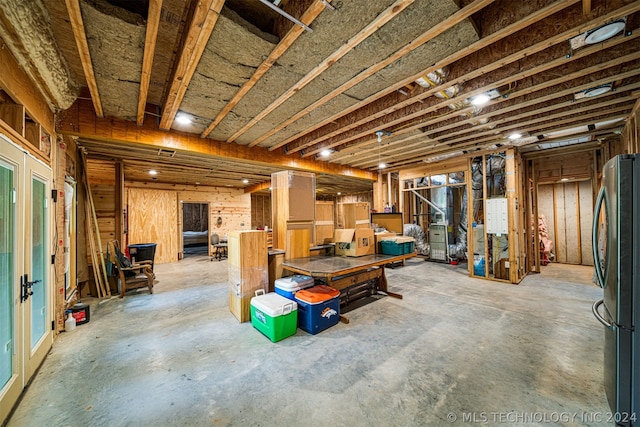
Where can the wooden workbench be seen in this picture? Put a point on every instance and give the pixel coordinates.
(344, 272)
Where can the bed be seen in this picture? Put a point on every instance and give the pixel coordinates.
(195, 238)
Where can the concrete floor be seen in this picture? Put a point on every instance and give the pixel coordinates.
(454, 351)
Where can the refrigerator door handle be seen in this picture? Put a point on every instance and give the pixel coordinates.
(594, 236)
(595, 309)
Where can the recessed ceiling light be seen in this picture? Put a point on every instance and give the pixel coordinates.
(153, 172)
(481, 99)
(597, 91)
(382, 166)
(604, 32)
(183, 119)
(245, 181)
(326, 153)
(515, 136)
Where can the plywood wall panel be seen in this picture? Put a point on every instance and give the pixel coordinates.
(153, 218)
(571, 223)
(260, 211)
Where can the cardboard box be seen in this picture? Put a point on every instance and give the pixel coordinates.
(354, 242)
(501, 269)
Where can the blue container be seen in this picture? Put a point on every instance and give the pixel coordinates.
(288, 286)
(478, 265)
(318, 308)
(390, 247)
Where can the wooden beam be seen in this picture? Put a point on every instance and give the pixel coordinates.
(405, 146)
(153, 22)
(478, 65)
(586, 7)
(406, 120)
(390, 98)
(261, 186)
(81, 121)
(430, 34)
(21, 89)
(75, 17)
(526, 70)
(204, 20)
(292, 35)
(391, 12)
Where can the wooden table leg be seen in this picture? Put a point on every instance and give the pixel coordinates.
(383, 285)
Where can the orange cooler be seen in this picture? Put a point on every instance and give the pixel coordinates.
(318, 308)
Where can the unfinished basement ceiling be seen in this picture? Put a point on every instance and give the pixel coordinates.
(408, 68)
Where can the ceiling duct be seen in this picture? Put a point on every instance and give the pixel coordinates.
(166, 153)
(437, 78)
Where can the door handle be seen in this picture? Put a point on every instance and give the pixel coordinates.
(600, 274)
(595, 309)
(25, 287)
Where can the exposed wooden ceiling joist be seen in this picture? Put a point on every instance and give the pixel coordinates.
(75, 17)
(391, 98)
(431, 33)
(296, 31)
(391, 12)
(394, 118)
(204, 20)
(153, 22)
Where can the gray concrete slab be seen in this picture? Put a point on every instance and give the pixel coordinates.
(455, 351)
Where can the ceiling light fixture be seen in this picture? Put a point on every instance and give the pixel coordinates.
(515, 136)
(245, 181)
(153, 172)
(604, 32)
(379, 135)
(593, 91)
(480, 99)
(597, 91)
(326, 153)
(183, 119)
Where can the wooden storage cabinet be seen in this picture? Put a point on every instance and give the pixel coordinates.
(355, 215)
(248, 270)
(293, 202)
(324, 222)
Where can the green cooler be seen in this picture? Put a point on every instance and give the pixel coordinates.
(274, 315)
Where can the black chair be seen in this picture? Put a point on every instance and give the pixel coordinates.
(219, 248)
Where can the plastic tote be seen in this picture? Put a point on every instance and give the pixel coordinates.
(274, 315)
(288, 286)
(318, 308)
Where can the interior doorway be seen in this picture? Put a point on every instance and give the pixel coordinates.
(195, 229)
(567, 210)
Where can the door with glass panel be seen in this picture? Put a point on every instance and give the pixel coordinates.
(36, 288)
(25, 288)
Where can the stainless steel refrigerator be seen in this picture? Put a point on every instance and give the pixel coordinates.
(616, 250)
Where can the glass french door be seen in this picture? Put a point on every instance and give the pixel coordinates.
(36, 288)
(25, 288)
